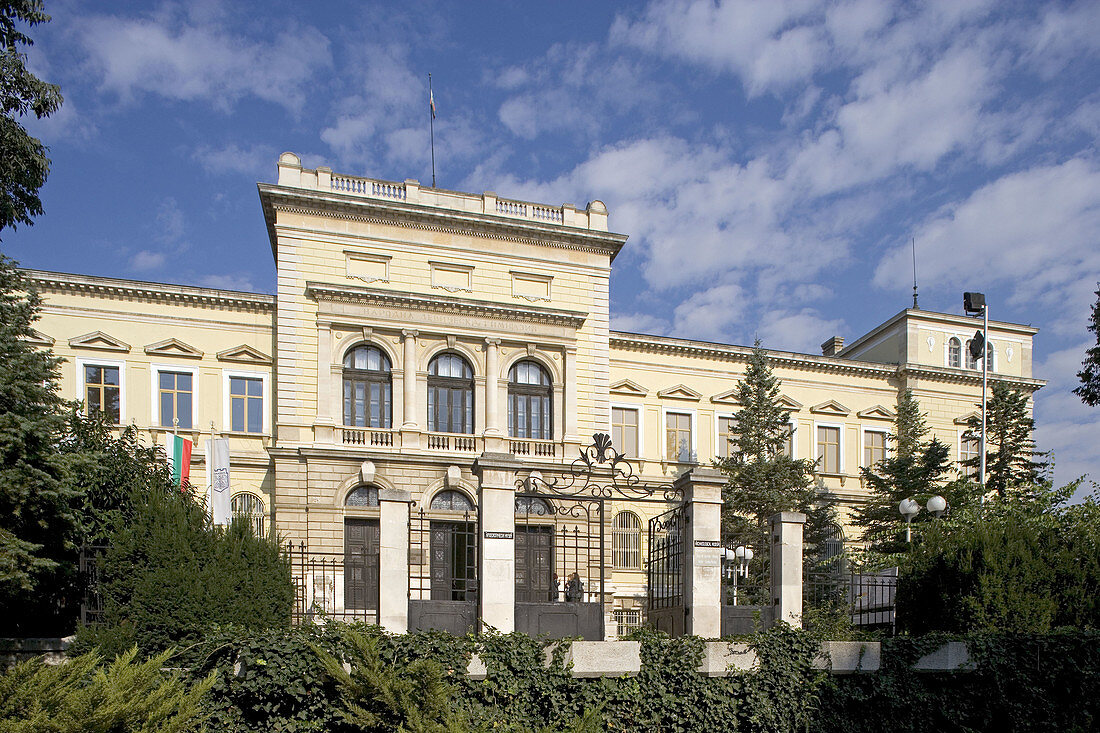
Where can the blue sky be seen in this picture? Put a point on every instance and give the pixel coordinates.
(770, 160)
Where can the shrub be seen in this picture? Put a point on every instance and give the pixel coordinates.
(87, 695)
(168, 576)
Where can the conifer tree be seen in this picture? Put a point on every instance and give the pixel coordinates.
(1089, 389)
(763, 479)
(36, 518)
(1012, 465)
(915, 469)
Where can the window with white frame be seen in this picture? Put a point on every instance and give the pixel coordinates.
(725, 447)
(250, 507)
(787, 449)
(971, 362)
(626, 620)
(954, 352)
(626, 541)
(828, 449)
(103, 390)
(175, 397)
(624, 430)
(969, 448)
(530, 396)
(246, 404)
(874, 447)
(678, 438)
(368, 388)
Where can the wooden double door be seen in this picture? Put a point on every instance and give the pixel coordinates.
(361, 563)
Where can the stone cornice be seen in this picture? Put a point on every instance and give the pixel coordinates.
(941, 320)
(443, 304)
(967, 376)
(110, 287)
(429, 218)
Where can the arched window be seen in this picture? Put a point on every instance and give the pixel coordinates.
(954, 352)
(529, 407)
(971, 362)
(250, 507)
(451, 501)
(450, 395)
(832, 550)
(363, 496)
(626, 541)
(368, 388)
(532, 506)
(991, 354)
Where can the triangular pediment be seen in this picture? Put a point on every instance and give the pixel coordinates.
(830, 407)
(680, 392)
(99, 341)
(625, 386)
(729, 397)
(876, 412)
(965, 419)
(173, 347)
(245, 354)
(788, 404)
(38, 338)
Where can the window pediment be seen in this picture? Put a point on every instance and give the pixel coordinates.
(729, 397)
(99, 341)
(680, 392)
(628, 387)
(965, 419)
(830, 407)
(789, 404)
(244, 354)
(38, 338)
(173, 347)
(876, 412)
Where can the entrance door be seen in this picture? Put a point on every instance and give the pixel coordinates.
(361, 551)
(453, 561)
(535, 564)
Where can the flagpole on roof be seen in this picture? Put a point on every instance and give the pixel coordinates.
(431, 124)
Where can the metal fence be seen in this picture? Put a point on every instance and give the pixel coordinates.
(665, 570)
(334, 585)
(746, 570)
(868, 600)
(90, 569)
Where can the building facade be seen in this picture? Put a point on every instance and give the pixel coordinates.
(420, 340)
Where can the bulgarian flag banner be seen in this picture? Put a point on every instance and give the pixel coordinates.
(178, 450)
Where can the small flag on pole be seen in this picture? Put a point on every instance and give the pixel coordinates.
(217, 457)
(178, 450)
(431, 102)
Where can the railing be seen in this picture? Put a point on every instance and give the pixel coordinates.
(333, 585)
(746, 570)
(349, 184)
(867, 599)
(90, 566)
(537, 448)
(373, 438)
(546, 213)
(511, 208)
(451, 441)
(627, 620)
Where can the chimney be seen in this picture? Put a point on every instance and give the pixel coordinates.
(832, 346)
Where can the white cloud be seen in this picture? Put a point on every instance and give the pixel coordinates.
(714, 314)
(251, 160)
(639, 323)
(241, 282)
(195, 59)
(170, 223)
(147, 260)
(801, 331)
(1063, 422)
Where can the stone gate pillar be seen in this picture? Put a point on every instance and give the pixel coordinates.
(496, 473)
(786, 566)
(393, 560)
(702, 489)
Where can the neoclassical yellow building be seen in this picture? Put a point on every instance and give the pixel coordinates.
(423, 343)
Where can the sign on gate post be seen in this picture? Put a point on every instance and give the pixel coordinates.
(702, 489)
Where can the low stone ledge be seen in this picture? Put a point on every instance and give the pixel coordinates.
(846, 657)
(720, 657)
(476, 670)
(604, 658)
(52, 650)
(951, 657)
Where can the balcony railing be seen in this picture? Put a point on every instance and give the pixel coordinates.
(367, 437)
(537, 448)
(452, 442)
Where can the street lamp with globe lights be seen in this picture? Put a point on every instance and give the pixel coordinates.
(908, 508)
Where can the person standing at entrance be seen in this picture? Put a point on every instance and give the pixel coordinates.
(574, 589)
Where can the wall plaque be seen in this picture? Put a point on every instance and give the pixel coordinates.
(707, 543)
(498, 535)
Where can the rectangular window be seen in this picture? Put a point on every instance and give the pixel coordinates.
(101, 391)
(624, 431)
(246, 404)
(787, 449)
(725, 448)
(678, 437)
(175, 394)
(874, 447)
(968, 450)
(828, 449)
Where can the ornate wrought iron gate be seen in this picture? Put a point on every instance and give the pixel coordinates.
(665, 571)
(443, 585)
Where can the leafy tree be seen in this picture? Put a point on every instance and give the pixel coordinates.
(23, 162)
(1011, 462)
(36, 515)
(763, 480)
(915, 469)
(1089, 389)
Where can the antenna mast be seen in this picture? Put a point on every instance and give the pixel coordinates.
(913, 240)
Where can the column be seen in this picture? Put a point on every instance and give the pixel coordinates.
(786, 562)
(702, 489)
(393, 560)
(492, 386)
(496, 473)
(325, 422)
(409, 421)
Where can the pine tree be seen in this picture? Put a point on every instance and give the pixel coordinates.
(763, 480)
(1089, 390)
(915, 469)
(1012, 465)
(36, 519)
